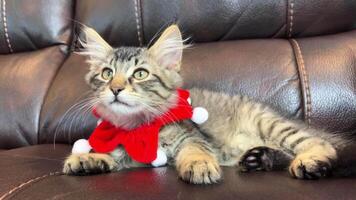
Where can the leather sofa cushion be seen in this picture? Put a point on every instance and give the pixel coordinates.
(30, 173)
(330, 64)
(24, 82)
(31, 25)
(64, 116)
(21, 165)
(126, 22)
(264, 69)
(269, 71)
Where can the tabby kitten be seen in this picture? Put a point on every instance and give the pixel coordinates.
(134, 85)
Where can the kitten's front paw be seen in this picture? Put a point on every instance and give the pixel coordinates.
(256, 159)
(309, 168)
(200, 171)
(89, 163)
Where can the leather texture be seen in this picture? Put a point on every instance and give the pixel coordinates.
(310, 18)
(249, 68)
(27, 25)
(299, 57)
(24, 164)
(331, 74)
(42, 182)
(64, 117)
(127, 22)
(25, 79)
(265, 70)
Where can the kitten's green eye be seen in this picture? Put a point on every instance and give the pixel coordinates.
(140, 74)
(107, 73)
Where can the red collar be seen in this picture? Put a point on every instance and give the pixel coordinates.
(140, 143)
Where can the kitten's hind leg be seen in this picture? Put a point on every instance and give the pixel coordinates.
(263, 158)
(315, 153)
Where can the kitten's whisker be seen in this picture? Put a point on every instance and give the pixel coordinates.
(63, 118)
(69, 114)
(83, 112)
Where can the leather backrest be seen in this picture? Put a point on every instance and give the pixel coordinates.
(24, 82)
(320, 90)
(310, 79)
(34, 24)
(135, 22)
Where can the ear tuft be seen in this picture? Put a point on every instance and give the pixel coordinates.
(168, 49)
(94, 45)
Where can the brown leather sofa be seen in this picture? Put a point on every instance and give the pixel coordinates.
(298, 56)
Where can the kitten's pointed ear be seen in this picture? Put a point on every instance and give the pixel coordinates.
(94, 45)
(168, 49)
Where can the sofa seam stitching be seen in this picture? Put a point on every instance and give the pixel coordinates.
(28, 183)
(4, 18)
(290, 17)
(304, 81)
(138, 21)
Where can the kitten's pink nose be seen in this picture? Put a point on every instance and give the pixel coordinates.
(116, 91)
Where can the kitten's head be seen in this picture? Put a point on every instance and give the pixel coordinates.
(131, 80)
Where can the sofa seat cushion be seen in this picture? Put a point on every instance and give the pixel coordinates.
(33, 173)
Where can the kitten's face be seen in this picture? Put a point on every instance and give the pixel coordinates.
(130, 80)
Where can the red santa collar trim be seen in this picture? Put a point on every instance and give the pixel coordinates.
(141, 143)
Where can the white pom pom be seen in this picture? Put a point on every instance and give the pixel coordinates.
(160, 160)
(81, 146)
(189, 101)
(200, 115)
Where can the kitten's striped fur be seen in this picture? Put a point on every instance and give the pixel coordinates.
(239, 132)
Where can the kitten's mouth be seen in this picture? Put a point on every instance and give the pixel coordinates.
(118, 101)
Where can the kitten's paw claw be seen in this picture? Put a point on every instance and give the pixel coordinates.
(91, 163)
(255, 159)
(200, 172)
(309, 168)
